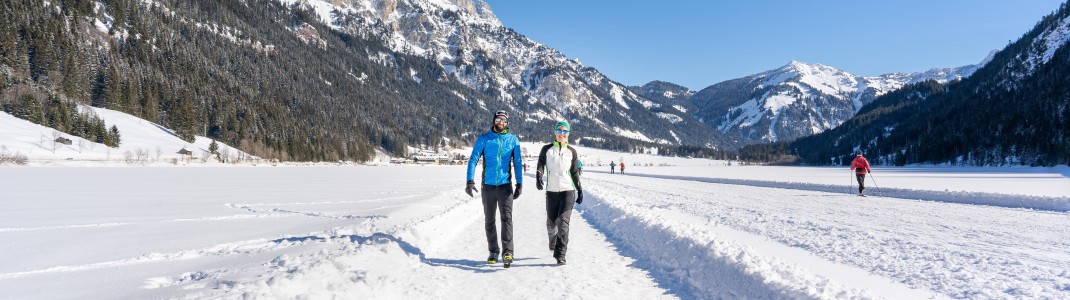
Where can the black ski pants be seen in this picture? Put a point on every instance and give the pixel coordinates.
(498, 197)
(861, 182)
(558, 212)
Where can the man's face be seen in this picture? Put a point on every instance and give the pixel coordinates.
(500, 123)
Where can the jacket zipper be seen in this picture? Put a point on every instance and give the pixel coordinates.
(498, 173)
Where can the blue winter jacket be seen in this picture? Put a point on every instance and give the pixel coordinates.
(497, 149)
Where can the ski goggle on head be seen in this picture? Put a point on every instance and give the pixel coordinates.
(501, 116)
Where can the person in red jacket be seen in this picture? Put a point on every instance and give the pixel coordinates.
(861, 167)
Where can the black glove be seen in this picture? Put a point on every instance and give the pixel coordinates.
(516, 192)
(579, 197)
(538, 183)
(470, 187)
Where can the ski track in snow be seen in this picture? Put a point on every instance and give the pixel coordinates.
(243, 247)
(116, 224)
(960, 251)
(645, 237)
(1058, 204)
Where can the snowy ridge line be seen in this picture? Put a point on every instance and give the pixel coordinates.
(14, 229)
(336, 268)
(333, 202)
(321, 275)
(692, 263)
(309, 214)
(1057, 204)
(242, 247)
(184, 278)
(115, 224)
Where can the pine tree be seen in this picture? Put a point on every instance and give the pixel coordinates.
(116, 139)
(30, 109)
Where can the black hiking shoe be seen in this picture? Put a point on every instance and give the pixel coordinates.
(493, 259)
(560, 261)
(507, 259)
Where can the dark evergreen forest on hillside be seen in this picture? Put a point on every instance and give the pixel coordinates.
(234, 72)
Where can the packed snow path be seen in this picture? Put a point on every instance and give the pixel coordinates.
(411, 232)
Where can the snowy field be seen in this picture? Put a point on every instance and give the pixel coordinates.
(688, 228)
(84, 221)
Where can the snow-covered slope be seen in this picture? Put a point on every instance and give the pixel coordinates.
(1039, 49)
(141, 141)
(475, 48)
(800, 99)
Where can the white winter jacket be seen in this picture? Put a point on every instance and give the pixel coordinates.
(558, 164)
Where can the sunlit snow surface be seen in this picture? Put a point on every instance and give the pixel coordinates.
(671, 227)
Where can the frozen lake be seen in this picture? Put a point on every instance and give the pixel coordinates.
(695, 229)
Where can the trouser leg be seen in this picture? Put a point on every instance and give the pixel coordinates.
(563, 218)
(861, 182)
(505, 207)
(490, 203)
(553, 207)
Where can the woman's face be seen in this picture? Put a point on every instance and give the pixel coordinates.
(561, 134)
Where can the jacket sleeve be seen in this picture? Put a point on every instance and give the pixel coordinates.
(574, 170)
(540, 167)
(477, 151)
(518, 162)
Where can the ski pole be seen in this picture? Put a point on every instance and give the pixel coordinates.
(876, 189)
(850, 185)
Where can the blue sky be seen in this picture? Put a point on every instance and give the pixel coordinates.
(703, 42)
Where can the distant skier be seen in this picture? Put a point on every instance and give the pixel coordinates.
(622, 168)
(579, 165)
(612, 168)
(497, 147)
(861, 167)
(559, 163)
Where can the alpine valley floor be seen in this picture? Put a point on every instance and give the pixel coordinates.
(679, 230)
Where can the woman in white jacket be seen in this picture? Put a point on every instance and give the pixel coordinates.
(558, 168)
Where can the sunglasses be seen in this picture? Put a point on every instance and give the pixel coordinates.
(561, 131)
(501, 120)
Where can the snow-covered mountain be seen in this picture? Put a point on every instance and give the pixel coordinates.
(1038, 47)
(473, 47)
(476, 49)
(800, 99)
(665, 93)
(1013, 110)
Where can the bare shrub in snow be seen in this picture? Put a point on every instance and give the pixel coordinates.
(55, 140)
(142, 155)
(224, 155)
(15, 158)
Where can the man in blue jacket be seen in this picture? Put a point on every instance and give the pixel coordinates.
(498, 148)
